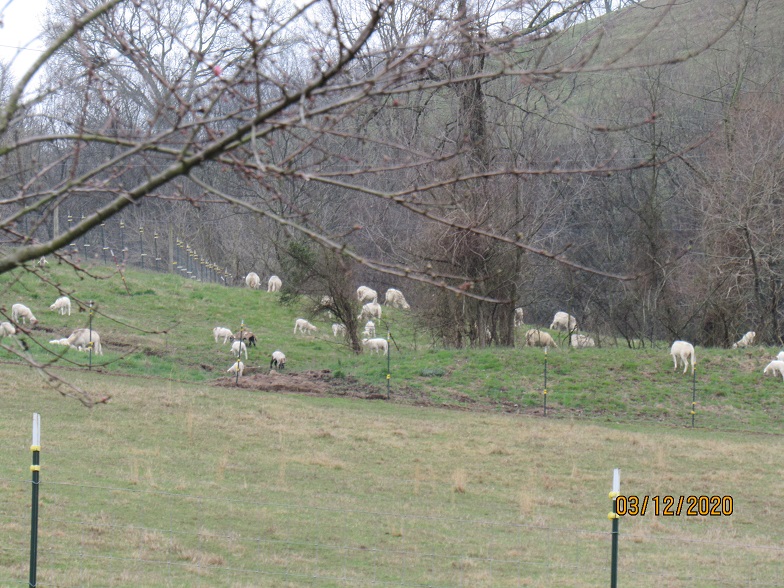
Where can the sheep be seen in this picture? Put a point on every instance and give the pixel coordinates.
(563, 321)
(62, 304)
(537, 338)
(370, 310)
(396, 299)
(365, 294)
(278, 360)
(20, 311)
(780, 356)
(253, 280)
(63, 341)
(84, 339)
(327, 301)
(370, 330)
(7, 329)
(236, 368)
(518, 316)
(378, 345)
(684, 351)
(775, 367)
(274, 284)
(304, 326)
(238, 347)
(578, 340)
(337, 328)
(745, 341)
(245, 335)
(219, 332)
(42, 262)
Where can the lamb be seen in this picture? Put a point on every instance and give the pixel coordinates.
(84, 339)
(278, 360)
(579, 341)
(518, 316)
(745, 341)
(370, 310)
(245, 335)
(219, 332)
(396, 299)
(253, 280)
(63, 341)
(684, 351)
(370, 330)
(236, 368)
(775, 367)
(62, 304)
(238, 347)
(274, 284)
(563, 321)
(337, 328)
(304, 326)
(7, 329)
(378, 345)
(537, 338)
(20, 311)
(365, 294)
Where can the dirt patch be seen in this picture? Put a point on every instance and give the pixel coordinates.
(319, 383)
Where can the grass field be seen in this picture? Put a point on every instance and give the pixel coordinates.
(177, 482)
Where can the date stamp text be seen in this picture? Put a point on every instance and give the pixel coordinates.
(674, 506)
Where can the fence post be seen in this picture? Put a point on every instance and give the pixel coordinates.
(90, 339)
(389, 351)
(104, 248)
(544, 394)
(122, 239)
(85, 244)
(155, 249)
(36, 471)
(142, 254)
(693, 392)
(613, 516)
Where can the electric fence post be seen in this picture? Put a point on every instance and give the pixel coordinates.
(693, 392)
(142, 254)
(35, 469)
(122, 239)
(389, 375)
(85, 244)
(90, 339)
(613, 516)
(544, 394)
(239, 352)
(104, 248)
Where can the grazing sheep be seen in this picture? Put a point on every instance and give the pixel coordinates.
(370, 330)
(578, 340)
(245, 336)
(378, 345)
(20, 311)
(219, 332)
(304, 326)
(365, 294)
(396, 299)
(238, 347)
(563, 321)
(274, 284)
(253, 280)
(62, 304)
(780, 356)
(371, 310)
(775, 367)
(537, 338)
(236, 368)
(337, 328)
(745, 341)
(278, 360)
(84, 339)
(684, 351)
(7, 329)
(518, 316)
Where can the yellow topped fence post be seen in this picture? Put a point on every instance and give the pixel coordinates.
(613, 516)
(544, 394)
(36, 472)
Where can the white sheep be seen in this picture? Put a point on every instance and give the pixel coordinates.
(378, 345)
(84, 339)
(43, 262)
(20, 311)
(303, 326)
(518, 316)
(253, 280)
(236, 368)
(684, 351)
(278, 360)
(780, 356)
(338, 329)
(7, 329)
(370, 330)
(775, 367)
(365, 294)
(62, 304)
(371, 310)
(274, 284)
(219, 332)
(238, 347)
(537, 338)
(63, 341)
(579, 341)
(745, 341)
(563, 321)
(396, 299)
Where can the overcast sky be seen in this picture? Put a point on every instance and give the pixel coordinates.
(21, 25)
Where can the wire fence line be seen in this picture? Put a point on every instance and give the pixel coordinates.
(109, 535)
